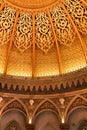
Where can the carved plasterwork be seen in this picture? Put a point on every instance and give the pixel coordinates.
(85, 0)
(46, 106)
(31, 108)
(78, 13)
(64, 30)
(67, 100)
(23, 35)
(77, 103)
(84, 95)
(15, 105)
(29, 4)
(7, 17)
(43, 29)
(44, 35)
(1, 1)
(4, 102)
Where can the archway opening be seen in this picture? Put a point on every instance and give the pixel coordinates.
(83, 125)
(13, 125)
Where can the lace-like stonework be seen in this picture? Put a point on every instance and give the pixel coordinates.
(64, 30)
(85, 0)
(23, 35)
(1, 1)
(78, 13)
(44, 35)
(7, 17)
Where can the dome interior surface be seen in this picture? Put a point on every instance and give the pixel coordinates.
(42, 39)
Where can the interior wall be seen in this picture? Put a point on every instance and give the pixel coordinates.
(76, 117)
(47, 121)
(13, 116)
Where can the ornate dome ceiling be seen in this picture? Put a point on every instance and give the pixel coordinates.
(39, 38)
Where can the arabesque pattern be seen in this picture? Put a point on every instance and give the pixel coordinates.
(23, 35)
(78, 13)
(1, 1)
(56, 30)
(85, 0)
(44, 35)
(7, 17)
(64, 30)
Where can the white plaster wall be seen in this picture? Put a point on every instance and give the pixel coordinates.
(47, 121)
(10, 116)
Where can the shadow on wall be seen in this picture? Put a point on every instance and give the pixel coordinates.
(76, 119)
(13, 125)
(13, 120)
(47, 120)
(83, 125)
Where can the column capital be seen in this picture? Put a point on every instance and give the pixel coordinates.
(64, 126)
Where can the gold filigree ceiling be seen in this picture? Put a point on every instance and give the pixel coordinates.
(42, 38)
(30, 4)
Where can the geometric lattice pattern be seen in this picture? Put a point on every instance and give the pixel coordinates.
(1, 1)
(78, 13)
(32, 31)
(44, 35)
(23, 35)
(6, 23)
(64, 30)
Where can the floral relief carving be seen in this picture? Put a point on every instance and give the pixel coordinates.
(85, 1)
(15, 105)
(1, 1)
(64, 30)
(23, 35)
(4, 101)
(84, 95)
(78, 13)
(44, 35)
(47, 105)
(7, 17)
(78, 102)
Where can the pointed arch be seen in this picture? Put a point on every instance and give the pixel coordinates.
(55, 110)
(82, 125)
(70, 104)
(25, 112)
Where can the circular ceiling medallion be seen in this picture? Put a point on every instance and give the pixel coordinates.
(30, 4)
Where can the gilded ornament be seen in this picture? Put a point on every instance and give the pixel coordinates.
(7, 17)
(23, 35)
(64, 29)
(44, 35)
(78, 13)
